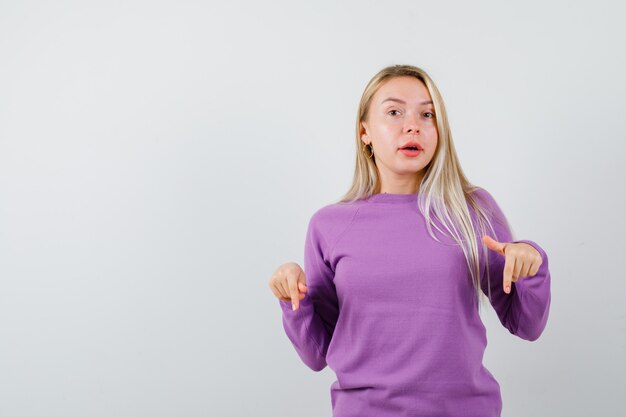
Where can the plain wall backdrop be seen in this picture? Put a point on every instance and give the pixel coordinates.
(160, 159)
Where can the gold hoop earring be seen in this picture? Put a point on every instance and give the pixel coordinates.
(371, 150)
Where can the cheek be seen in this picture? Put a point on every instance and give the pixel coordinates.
(386, 136)
(387, 130)
(433, 143)
(433, 135)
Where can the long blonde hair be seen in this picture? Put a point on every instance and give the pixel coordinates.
(444, 192)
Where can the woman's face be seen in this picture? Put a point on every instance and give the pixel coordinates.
(401, 111)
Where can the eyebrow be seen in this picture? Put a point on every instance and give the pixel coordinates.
(404, 102)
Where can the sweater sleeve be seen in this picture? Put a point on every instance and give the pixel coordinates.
(311, 326)
(524, 311)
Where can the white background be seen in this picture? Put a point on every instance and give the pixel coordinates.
(160, 159)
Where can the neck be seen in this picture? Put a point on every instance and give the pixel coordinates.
(392, 184)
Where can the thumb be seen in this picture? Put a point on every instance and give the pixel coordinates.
(494, 244)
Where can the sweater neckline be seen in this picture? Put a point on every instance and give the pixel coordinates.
(392, 198)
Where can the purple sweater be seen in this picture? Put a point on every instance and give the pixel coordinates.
(392, 311)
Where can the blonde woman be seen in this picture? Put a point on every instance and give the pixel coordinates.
(396, 271)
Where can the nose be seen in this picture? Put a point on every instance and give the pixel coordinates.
(412, 124)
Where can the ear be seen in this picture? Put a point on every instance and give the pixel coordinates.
(363, 132)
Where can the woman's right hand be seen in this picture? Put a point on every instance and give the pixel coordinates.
(288, 283)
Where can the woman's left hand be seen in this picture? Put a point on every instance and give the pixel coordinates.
(522, 260)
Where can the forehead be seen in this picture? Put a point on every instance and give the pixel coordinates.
(405, 88)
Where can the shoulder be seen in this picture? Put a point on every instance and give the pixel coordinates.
(482, 196)
(334, 215)
(332, 220)
(487, 203)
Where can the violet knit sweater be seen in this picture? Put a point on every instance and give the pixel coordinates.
(393, 312)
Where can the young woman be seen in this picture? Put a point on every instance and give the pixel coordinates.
(392, 304)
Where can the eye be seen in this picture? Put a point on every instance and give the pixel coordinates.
(431, 114)
(391, 111)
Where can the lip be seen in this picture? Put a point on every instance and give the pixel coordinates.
(412, 143)
(410, 152)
